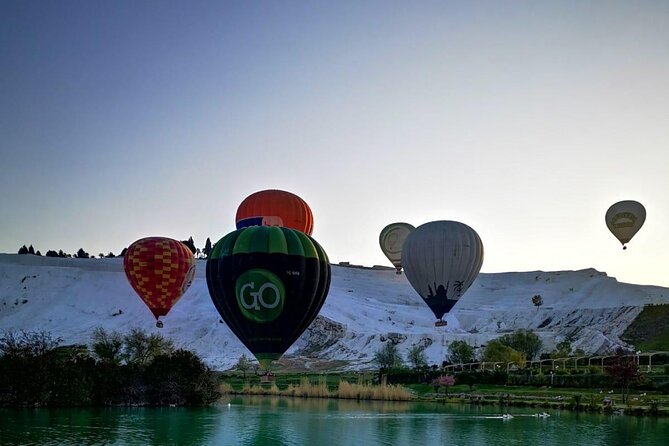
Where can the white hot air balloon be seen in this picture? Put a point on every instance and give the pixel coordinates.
(624, 219)
(441, 260)
(391, 240)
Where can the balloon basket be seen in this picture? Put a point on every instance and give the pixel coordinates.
(398, 272)
(159, 324)
(440, 323)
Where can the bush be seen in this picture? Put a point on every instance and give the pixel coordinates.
(180, 378)
(35, 372)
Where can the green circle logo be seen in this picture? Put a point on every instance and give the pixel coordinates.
(260, 295)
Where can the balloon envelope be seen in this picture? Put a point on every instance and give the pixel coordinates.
(624, 219)
(441, 260)
(275, 208)
(160, 270)
(268, 284)
(391, 239)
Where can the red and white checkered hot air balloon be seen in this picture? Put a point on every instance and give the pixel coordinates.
(160, 270)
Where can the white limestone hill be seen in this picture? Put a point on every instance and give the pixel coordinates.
(365, 307)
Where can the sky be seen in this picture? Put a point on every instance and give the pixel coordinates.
(525, 120)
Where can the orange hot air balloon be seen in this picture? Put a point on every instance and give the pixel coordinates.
(275, 208)
(160, 270)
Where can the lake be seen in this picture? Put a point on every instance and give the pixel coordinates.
(313, 422)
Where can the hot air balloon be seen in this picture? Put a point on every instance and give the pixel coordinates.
(441, 259)
(391, 240)
(624, 219)
(160, 270)
(268, 284)
(275, 208)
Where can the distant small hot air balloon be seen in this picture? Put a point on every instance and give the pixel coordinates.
(391, 240)
(624, 219)
(275, 208)
(268, 284)
(441, 260)
(160, 270)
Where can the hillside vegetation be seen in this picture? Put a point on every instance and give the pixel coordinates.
(649, 331)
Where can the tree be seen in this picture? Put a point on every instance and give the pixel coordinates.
(81, 254)
(140, 348)
(443, 381)
(468, 378)
(495, 351)
(27, 343)
(108, 347)
(524, 341)
(180, 377)
(191, 244)
(23, 249)
(123, 251)
(388, 357)
(28, 361)
(51, 253)
(31, 250)
(207, 248)
(624, 371)
(459, 352)
(562, 349)
(243, 365)
(416, 356)
(537, 300)
(110, 255)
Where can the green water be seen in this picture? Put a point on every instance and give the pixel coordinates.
(285, 421)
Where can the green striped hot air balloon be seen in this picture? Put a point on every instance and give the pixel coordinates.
(268, 283)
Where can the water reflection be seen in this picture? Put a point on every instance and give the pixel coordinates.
(107, 426)
(297, 421)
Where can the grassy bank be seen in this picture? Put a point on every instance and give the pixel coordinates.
(576, 399)
(362, 387)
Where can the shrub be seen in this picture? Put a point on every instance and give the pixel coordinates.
(179, 378)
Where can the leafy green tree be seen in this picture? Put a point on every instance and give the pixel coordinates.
(495, 351)
(23, 249)
(140, 348)
(459, 352)
(108, 347)
(31, 250)
(468, 378)
(243, 365)
(388, 356)
(416, 356)
(562, 349)
(524, 341)
(51, 253)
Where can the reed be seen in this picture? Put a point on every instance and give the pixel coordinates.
(363, 390)
(382, 391)
(226, 388)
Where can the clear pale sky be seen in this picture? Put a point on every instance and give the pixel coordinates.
(524, 120)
